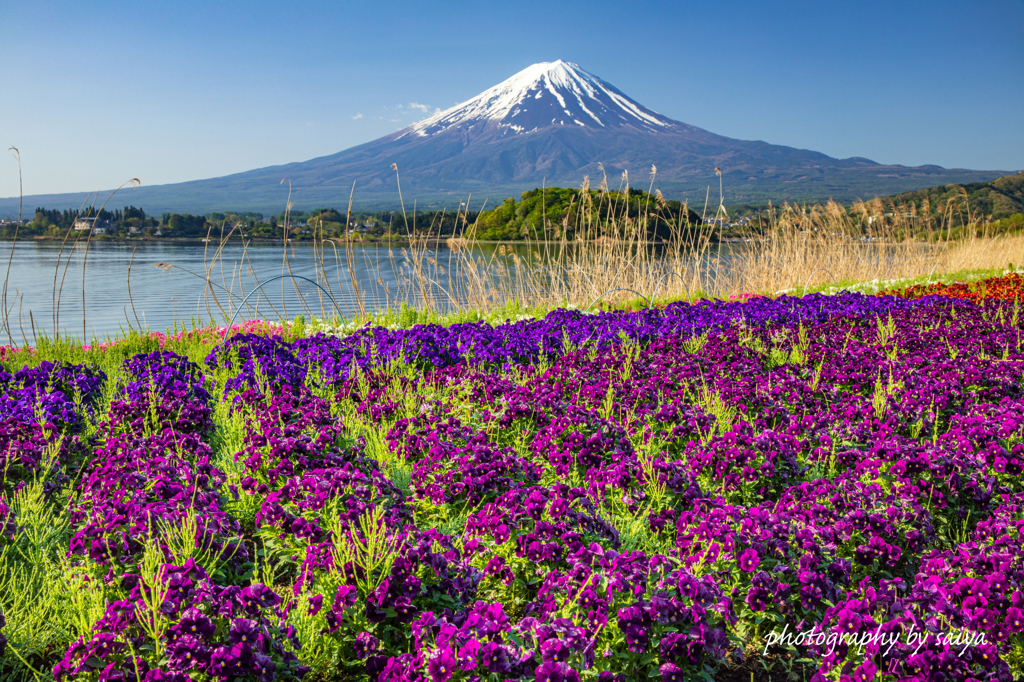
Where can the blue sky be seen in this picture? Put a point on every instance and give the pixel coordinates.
(95, 93)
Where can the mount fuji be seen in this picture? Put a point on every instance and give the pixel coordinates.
(544, 95)
(552, 123)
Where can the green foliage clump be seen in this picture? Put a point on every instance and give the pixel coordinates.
(558, 212)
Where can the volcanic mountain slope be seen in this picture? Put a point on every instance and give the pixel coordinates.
(552, 123)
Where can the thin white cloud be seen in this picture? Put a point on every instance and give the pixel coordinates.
(357, 117)
(425, 108)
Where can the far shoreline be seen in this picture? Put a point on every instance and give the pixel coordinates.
(399, 241)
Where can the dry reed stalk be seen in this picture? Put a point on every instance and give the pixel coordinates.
(224, 239)
(55, 293)
(256, 279)
(14, 243)
(797, 246)
(129, 278)
(134, 182)
(284, 239)
(208, 266)
(21, 326)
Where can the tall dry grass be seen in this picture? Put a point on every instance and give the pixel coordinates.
(805, 246)
(610, 258)
(793, 248)
(790, 248)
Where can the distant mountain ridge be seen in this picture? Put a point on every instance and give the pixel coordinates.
(550, 124)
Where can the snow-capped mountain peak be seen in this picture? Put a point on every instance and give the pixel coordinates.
(548, 94)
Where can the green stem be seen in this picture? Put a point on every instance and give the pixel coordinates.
(28, 665)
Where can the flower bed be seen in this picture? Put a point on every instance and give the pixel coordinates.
(619, 496)
(1006, 288)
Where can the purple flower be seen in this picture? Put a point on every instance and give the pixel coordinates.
(550, 671)
(554, 650)
(223, 662)
(749, 560)
(634, 623)
(495, 658)
(469, 655)
(671, 672)
(344, 598)
(605, 676)
(186, 652)
(157, 675)
(263, 667)
(194, 622)
(243, 631)
(105, 644)
(364, 644)
(865, 672)
(672, 646)
(260, 595)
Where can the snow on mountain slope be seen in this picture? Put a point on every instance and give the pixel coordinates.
(548, 94)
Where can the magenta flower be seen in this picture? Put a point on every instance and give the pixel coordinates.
(849, 621)
(865, 672)
(469, 655)
(442, 665)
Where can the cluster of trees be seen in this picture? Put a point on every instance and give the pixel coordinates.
(1011, 224)
(56, 223)
(557, 212)
(244, 216)
(329, 223)
(332, 223)
(184, 225)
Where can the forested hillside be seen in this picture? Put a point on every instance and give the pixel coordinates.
(996, 199)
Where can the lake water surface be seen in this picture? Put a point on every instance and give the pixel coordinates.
(168, 282)
(162, 296)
